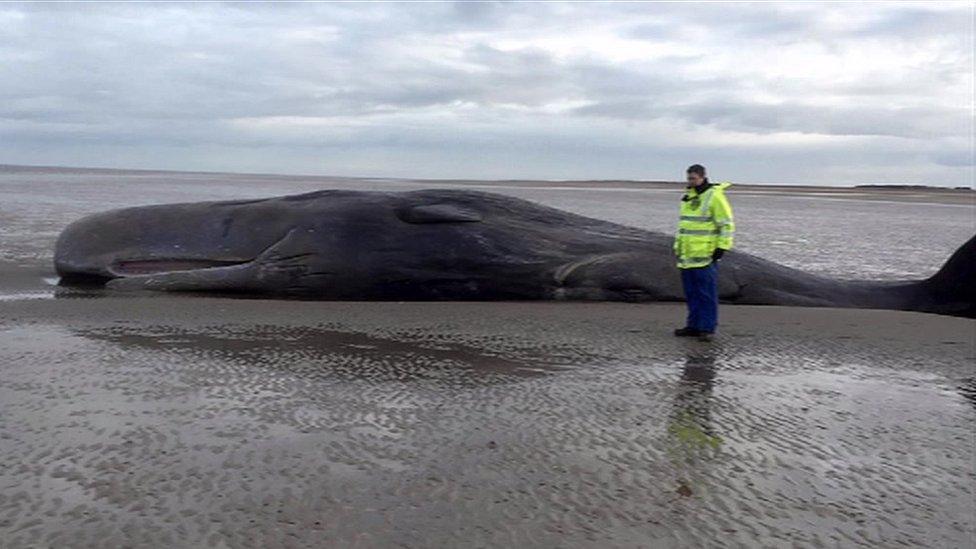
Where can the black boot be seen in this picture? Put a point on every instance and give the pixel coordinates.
(686, 332)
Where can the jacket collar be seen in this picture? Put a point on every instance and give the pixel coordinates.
(691, 192)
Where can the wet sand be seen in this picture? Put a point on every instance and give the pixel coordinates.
(210, 422)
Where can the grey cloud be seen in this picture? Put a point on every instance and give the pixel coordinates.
(962, 157)
(468, 78)
(863, 120)
(915, 22)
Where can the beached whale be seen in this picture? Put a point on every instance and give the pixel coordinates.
(442, 245)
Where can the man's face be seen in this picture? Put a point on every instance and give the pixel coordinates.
(695, 180)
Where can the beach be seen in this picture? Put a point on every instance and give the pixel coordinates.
(183, 421)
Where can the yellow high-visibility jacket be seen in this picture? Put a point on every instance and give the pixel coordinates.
(705, 224)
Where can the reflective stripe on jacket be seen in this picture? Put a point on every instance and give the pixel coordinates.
(705, 224)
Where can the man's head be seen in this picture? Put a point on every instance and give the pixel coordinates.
(696, 175)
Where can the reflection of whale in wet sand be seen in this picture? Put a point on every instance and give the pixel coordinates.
(438, 245)
(320, 352)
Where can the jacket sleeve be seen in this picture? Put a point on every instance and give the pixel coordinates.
(722, 216)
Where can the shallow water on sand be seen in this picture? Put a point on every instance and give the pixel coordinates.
(847, 237)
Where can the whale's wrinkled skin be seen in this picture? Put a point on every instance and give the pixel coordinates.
(442, 245)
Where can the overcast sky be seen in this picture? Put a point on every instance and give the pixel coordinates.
(767, 93)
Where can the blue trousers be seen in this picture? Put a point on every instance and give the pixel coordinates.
(701, 293)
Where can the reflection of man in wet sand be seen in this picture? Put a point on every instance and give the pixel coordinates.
(690, 423)
(690, 426)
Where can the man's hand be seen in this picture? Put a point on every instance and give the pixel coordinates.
(718, 253)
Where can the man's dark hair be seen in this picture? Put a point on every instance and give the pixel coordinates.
(698, 169)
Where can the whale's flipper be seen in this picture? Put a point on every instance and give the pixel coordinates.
(952, 290)
(438, 213)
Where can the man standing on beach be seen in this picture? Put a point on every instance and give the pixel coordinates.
(705, 231)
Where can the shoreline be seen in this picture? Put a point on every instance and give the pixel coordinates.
(826, 322)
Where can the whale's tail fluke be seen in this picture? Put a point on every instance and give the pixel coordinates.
(952, 290)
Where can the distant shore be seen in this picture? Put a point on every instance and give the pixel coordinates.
(879, 191)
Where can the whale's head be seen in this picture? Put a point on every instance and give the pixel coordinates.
(154, 239)
(186, 237)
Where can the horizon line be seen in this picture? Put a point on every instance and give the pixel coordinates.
(38, 167)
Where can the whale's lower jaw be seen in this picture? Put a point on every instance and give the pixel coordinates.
(141, 269)
(132, 267)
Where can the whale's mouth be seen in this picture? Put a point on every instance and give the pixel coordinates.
(135, 267)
